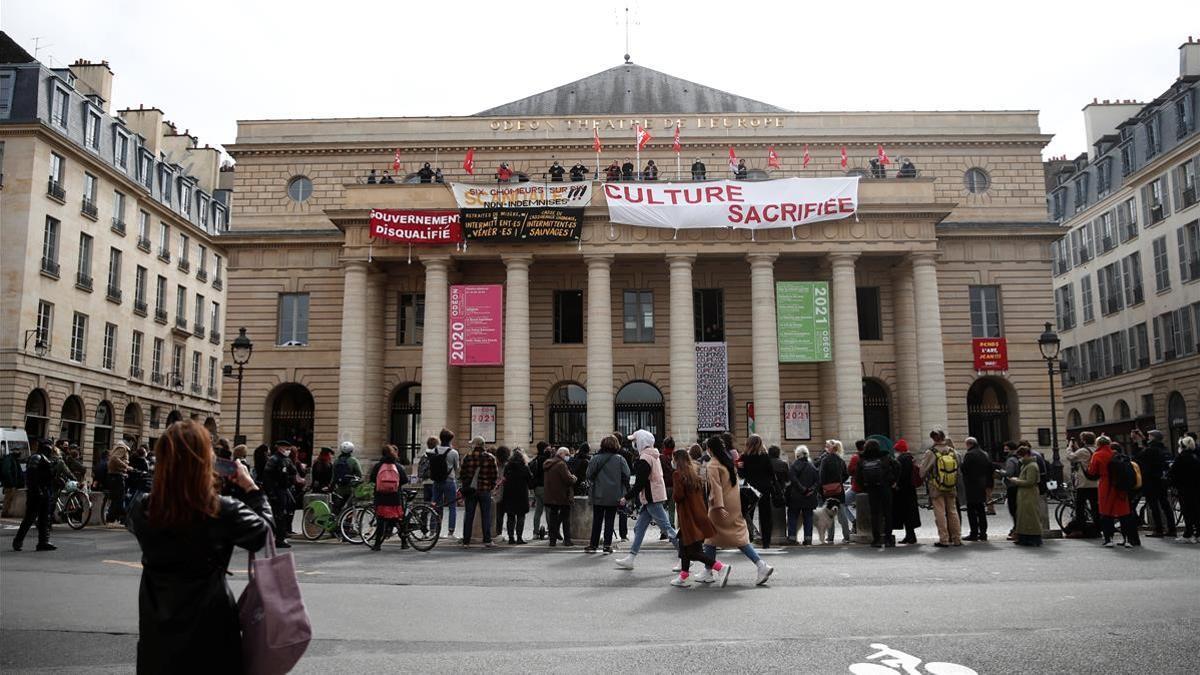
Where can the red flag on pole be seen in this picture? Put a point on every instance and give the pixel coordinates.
(596, 140)
(772, 158)
(396, 160)
(843, 156)
(883, 158)
(804, 163)
(676, 145)
(469, 161)
(733, 160)
(643, 137)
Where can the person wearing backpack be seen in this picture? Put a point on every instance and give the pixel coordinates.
(39, 483)
(977, 477)
(346, 471)
(939, 465)
(442, 460)
(876, 474)
(906, 510)
(1117, 478)
(388, 476)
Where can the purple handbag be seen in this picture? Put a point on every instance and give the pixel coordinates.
(275, 626)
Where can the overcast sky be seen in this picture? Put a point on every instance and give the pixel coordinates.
(208, 64)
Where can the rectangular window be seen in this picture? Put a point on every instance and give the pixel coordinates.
(1139, 346)
(144, 228)
(180, 304)
(1127, 158)
(1064, 310)
(1154, 200)
(202, 209)
(196, 372)
(156, 361)
(160, 295)
(89, 187)
(985, 311)
(1058, 204)
(410, 324)
(1085, 288)
(84, 272)
(57, 167)
(199, 314)
(1184, 181)
(1185, 342)
(108, 358)
(870, 319)
(1185, 115)
(708, 314)
(164, 240)
(139, 286)
(184, 247)
(50, 246)
(1188, 239)
(219, 218)
(135, 354)
(121, 150)
(1153, 136)
(293, 319)
(1108, 236)
(1127, 221)
(214, 317)
(1103, 176)
(1081, 191)
(7, 83)
(176, 366)
(59, 102)
(1162, 270)
(45, 322)
(91, 130)
(166, 181)
(212, 375)
(185, 198)
(217, 271)
(1086, 248)
(1131, 268)
(202, 259)
(114, 271)
(147, 170)
(79, 337)
(119, 210)
(638, 316)
(1111, 293)
(568, 317)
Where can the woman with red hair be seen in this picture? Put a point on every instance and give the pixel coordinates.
(187, 616)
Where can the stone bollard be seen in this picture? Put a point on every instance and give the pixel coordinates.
(779, 526)
(862, 508)
(581, 521)
(97, 517)
(14, 503)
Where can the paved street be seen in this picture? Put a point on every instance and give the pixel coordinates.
(996, 608)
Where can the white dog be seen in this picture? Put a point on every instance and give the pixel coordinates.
(824, 519)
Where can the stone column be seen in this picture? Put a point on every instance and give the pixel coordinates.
(375, 424)
(352, 373)
(847, 352)
(516, 351)
(599, 349)
(765, 348)
(435, 370)
(682, 354)
(906, 405)
(930, 361)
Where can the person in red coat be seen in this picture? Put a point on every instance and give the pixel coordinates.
(1114, 502)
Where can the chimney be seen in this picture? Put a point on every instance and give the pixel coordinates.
(94, 79)
(1101, 119)
(148, 123)
(1189, 58)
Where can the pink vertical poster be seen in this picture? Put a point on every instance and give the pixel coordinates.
(476, 325)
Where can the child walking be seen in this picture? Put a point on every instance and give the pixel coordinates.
(694, 525)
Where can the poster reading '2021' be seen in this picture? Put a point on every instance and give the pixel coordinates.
(802, 317)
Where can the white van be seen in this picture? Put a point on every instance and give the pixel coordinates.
(14, 440)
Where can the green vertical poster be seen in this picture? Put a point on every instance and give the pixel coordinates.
(802, 317)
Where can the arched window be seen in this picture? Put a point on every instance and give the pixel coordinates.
(71, 427)
(1121, 410)
(1097, 415)
(566, 417)
(102, 430)
(292, 413)
(1074, 419)
(989, 417)
(877, 413)
(404, 420)
(131, 424)
(640, 406)
(37, 415)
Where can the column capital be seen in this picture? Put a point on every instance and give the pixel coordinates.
(762, 258)
(597, 260)
(843, 257)
(362, 265)
(517, 259)
(436, 261)
(680, 259)
(921, 258)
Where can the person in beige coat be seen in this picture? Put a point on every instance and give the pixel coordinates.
(725, 511)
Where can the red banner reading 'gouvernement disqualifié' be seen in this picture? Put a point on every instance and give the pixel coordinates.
(416, 227)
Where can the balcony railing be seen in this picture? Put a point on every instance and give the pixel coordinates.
(164, 255)
(1189, 196)
(201, 274)
(184, 265)
(56, 191)
(50, 267)
(157, 378)
(89, 209)
(83, 282)
(113, 294)
(181, 322)
(135, 372)
(118, 226)
(139, 307)
(196, 388)
(144, 244)
(214, 336)
(212, 392)
(1156, 213)
(198, 329)
(715, 171)
(160, 315)
(218, 283)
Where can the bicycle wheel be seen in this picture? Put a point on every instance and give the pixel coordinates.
(312, 524)
(366, 524)
(348, 525)
(77, 511)
(1063, 514)
(424, 526)
(104, 509)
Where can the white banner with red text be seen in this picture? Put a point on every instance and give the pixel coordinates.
(751, 205)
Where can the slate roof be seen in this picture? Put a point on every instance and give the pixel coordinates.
(630, 89)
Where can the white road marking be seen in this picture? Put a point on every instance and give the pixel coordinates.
(131, 565)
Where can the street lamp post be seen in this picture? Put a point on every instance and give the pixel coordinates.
(241, 349)
(39, 342)
(1049, 345)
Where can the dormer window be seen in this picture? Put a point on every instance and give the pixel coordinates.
(121, 150)
(59, 102)
(91, 129)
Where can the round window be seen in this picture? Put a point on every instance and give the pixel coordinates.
(977, 180)
(299, 188)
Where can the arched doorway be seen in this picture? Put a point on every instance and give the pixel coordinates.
(37, 415)
(640, 406)
(566, 415)
(404, 421)
(1074, 419)
(131, 425)
(988, 414)
(877, 411)
(1176, 417)
(173, 417)
(292, 412)
(71, 427)
(1097, 415)
(102, 430)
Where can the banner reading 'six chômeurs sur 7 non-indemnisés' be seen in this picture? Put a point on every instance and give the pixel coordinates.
(802, 320)
(522, 212)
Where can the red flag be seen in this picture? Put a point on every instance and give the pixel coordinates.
(772, 158)
(733, 160)
(396, 161)
(676, 145)
(596, 140)
(469, 161)
(804, 163)
(843, 156)
(643, 137)
(883, 158)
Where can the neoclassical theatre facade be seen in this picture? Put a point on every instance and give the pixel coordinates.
(350, 332)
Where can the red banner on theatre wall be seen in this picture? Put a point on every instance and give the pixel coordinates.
(418, 228)
(990, 353)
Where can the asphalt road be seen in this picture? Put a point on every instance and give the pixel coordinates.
(1070, 606)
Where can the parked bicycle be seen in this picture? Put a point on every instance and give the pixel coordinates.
(73, 505)
(1147, 522)
(321, 517)
(421, 525)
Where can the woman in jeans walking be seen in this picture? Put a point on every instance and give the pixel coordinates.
(608, 473)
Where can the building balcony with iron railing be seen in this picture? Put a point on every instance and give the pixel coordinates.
(196, 388)
(198, 329)
(158, 378)
(50, 267)
(214, 336)
(1189, 196)
(56, 191)
(89, 209)
(218, 283)
(139, 307)
(212, 392)
(135, 373)
(118, 226)
(164, 254)
(83, 282)
(201, 274)
(185, 265)
(143, 243)
(113, 295)
(160, 315)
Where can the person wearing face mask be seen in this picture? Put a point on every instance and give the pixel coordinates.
(556, 172)
(279, 475)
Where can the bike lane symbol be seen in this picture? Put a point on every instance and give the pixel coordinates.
(888, 661)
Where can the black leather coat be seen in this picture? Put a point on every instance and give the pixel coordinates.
(187, 616)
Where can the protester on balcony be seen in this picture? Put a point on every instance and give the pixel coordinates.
(907, 169)
(740, 172)
(556, 172)
(425, 173)
(877, 169)
(613, 172)
(503, 174)
(578, 172)
(698, 170)
(387, 178)
(627, 169)
(371, 178)
(437, 176)
(650, 172)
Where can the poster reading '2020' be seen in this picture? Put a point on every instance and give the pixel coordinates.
(476, 325)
